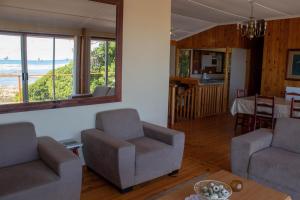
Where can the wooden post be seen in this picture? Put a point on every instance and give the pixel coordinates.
(226, 79)
(20, 88)
(173, 104)
(177, 70)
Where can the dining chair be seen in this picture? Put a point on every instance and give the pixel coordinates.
(243, 120)
(240, 93)
(295, 109)
(264, 112)
(292, 92)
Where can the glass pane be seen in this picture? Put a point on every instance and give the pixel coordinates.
(103, 62)
(64, 65)
(184, 63)
(40, 68)
(111, 63)
(10, 69)
(97, 61)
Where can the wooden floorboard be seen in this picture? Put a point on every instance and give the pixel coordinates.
(206, 150)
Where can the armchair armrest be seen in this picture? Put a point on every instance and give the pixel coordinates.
(243, 147)
(111, 157)
(165, 135)
(58, 158)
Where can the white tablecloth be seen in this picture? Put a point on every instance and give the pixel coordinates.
(246, 106)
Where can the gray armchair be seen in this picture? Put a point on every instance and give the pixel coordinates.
(127, 152)
(36, 168)
(273, 160)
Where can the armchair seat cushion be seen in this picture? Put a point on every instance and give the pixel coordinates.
(32, 179)
(277, 166)
(153, 158)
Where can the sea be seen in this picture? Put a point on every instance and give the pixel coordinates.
(35, 67)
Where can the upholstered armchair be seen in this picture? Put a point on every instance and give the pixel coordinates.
(270, 159)
(127, 151)
(36, 168)
(102, 91)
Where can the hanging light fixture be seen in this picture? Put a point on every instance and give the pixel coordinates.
(252, 28)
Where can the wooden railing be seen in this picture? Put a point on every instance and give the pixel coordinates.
(196, 102)
(210, 100)
(185, 104)
(172, 103)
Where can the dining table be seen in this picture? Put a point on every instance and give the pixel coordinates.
(246, 105)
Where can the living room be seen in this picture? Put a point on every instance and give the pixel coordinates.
(94, 105)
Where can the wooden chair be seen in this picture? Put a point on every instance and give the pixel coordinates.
(292, 95)
(292, 92)
(295, 108)
(240, 93)
(264, 112)
(243, 120)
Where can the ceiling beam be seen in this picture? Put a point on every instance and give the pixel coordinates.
(216, 9)
(189, 17)
(271, 9)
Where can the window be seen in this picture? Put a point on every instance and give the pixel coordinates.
(10, 69)
(102, 63)
(46, 61)
(38, 69)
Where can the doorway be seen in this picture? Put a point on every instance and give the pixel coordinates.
(256, 62)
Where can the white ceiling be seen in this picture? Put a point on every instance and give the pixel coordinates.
(193, 16)
(75, 14)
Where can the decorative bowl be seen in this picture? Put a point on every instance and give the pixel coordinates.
(213, 190)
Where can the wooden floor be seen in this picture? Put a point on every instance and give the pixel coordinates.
(206, 149)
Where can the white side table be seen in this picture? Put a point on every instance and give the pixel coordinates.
(73, 145)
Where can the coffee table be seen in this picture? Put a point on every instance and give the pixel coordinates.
(251, 190)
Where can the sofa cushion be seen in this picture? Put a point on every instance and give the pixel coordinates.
(287, 134)
(153, 159)
(18, 144)
(124, 123)
(278, 166)
(28, 179)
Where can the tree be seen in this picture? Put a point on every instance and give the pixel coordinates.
(42, 89)
(98, 65)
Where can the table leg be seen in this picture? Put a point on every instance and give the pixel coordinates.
(75, 151)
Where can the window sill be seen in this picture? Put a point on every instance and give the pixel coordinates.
(24, 107)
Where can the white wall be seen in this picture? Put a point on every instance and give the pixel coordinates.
(145, 75)
(238, 72)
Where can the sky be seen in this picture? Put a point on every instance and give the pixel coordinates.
(37, 48)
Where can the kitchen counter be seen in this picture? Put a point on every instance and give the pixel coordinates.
(211, 82)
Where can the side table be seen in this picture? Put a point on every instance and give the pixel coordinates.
(73, 145)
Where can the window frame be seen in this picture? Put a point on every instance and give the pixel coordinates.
(106, 40)
(31, 106)
(25, 69)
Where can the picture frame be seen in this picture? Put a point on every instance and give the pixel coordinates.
(293, 65)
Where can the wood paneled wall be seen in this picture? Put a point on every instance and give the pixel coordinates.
(218, 37)
(281, 36)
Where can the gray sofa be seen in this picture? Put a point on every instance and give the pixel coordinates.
(273, 160)
(127, 151)
(36, 168)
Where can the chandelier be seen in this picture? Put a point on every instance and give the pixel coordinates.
(252, 28)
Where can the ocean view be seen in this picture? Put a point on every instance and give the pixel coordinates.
(35, 67)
